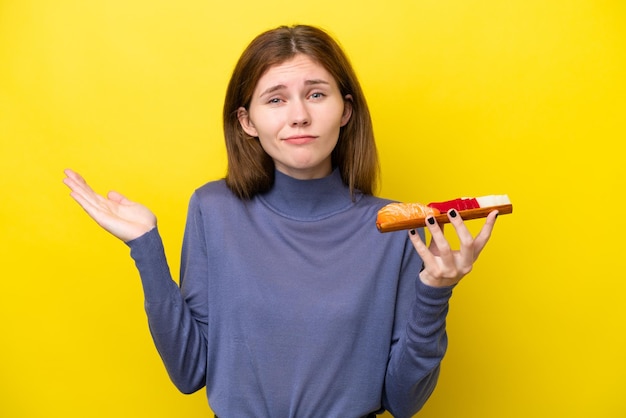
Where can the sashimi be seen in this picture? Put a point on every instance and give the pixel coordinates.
(465, 203)
(399, 216)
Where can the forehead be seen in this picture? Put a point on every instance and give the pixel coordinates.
(300, 68)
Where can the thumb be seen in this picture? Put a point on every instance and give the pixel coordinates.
(118, 198)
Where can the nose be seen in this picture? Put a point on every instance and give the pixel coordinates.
(299, 115)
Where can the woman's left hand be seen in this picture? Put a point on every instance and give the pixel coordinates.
(442, 265)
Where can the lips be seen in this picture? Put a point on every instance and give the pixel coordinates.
(300, 139)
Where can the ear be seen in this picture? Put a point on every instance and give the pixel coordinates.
(246, 123)
(347, 109)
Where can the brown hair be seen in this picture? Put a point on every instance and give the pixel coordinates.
(250, 168)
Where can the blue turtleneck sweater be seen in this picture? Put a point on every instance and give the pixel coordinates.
(292, 304)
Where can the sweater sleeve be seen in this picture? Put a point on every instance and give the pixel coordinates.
(417, 350)
(177, 330)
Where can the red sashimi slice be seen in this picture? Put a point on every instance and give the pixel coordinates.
(458, 204)
(465, 203)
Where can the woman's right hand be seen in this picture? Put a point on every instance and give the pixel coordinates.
(121, 217)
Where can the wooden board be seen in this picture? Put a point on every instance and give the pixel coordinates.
(443, 218)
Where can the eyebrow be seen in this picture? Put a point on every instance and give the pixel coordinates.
(278, 87)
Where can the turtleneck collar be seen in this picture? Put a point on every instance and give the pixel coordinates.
(308, 200)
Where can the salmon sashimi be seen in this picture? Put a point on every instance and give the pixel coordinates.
(395, 213)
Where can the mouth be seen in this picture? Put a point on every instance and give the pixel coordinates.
(300, 139)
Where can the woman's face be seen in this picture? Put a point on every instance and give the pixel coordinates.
(297, 111)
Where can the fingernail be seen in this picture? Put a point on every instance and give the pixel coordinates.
(412, 231)
(431, 220)
(453, 213)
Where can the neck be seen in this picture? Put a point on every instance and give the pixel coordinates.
(308, 199)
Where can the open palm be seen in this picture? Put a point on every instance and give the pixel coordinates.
(115, 213)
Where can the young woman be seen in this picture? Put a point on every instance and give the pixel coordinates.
(291, 303)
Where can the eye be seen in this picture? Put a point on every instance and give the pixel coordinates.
(317, 95)
(274, 100)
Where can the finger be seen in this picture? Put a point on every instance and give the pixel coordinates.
(70, 173)
(466, 240)
(84, 195)
(88, 205)
(76, 183)
(79, 187)
(485, 233)
(74, 176)
(422, 250)
(438, 242)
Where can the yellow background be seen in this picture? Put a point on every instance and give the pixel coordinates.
(525, 97)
